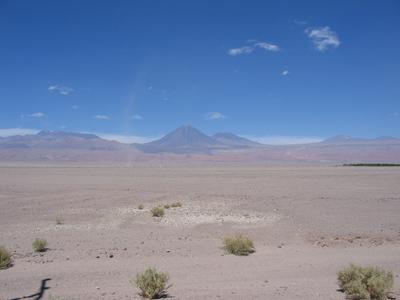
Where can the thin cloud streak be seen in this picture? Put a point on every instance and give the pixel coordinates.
(214, 115)
(137, 117)
(126, 139)
(4, 132)
(285, 140)
(250, 49)
(101, 117)
(36, 115)
(60, 89)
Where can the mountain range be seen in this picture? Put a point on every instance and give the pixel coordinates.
(187, 142)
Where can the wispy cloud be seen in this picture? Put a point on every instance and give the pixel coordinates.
(285, 140)
(17, 131)
(60, 89)
(214, 115)
(101, 117)
(300, 22)
(36, 115)
(254, 45)
(136, 117)
(241, 50)
(267, 46)
(323, 38)
(285, 73)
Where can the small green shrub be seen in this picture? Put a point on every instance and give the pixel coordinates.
(365, 282)
(239, 245)
(5, 258)
(157, 211)
(176, 204)
(141, 206)
(152, 284)
(39, 245)
(167, 206)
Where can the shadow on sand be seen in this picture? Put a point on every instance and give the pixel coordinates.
(39, 294)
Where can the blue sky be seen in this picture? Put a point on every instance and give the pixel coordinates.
(274, 70)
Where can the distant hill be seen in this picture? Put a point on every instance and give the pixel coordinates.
(60, 140)
(194, 145)
(62, 146)
(185, 139)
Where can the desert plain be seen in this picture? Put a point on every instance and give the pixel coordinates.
(307, 222)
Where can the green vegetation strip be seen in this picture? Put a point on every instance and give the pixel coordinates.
(371, 165)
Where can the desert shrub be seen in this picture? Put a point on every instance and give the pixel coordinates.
(5, 258)
(157, 211)
(152, 284)
(141, 206)
(239, 245)
(365, 282)
(167, 206)
(176, 204)
(59, 221)
(39, 245)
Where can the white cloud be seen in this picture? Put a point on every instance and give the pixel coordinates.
(267, 46)
(239, 51)
(136, 117)
(36, 115)
(74, 107)
(63, 90)
(17, 131)
(214, 115)
(285, 72)
(101, 117)
(323, 38)
(127, 139)
(254, 46)
(285, 140)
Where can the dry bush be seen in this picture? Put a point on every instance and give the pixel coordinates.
(59, 221)
(141, 206)
(152, 284)
(157, 211)
(39, 245)
(167, 206)
(5, 258)
(176, 204)
(239, 245)
(365, 282)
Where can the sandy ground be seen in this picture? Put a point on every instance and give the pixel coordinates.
(307, 222)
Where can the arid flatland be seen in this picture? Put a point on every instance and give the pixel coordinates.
(307, 222)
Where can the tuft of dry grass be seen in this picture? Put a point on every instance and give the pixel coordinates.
(141, 206)
(176, 204)
(5, 258)
(152, 284)
(157, 211)
(39, 245)
(239, 245)
(59, 221)
(365, 282)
